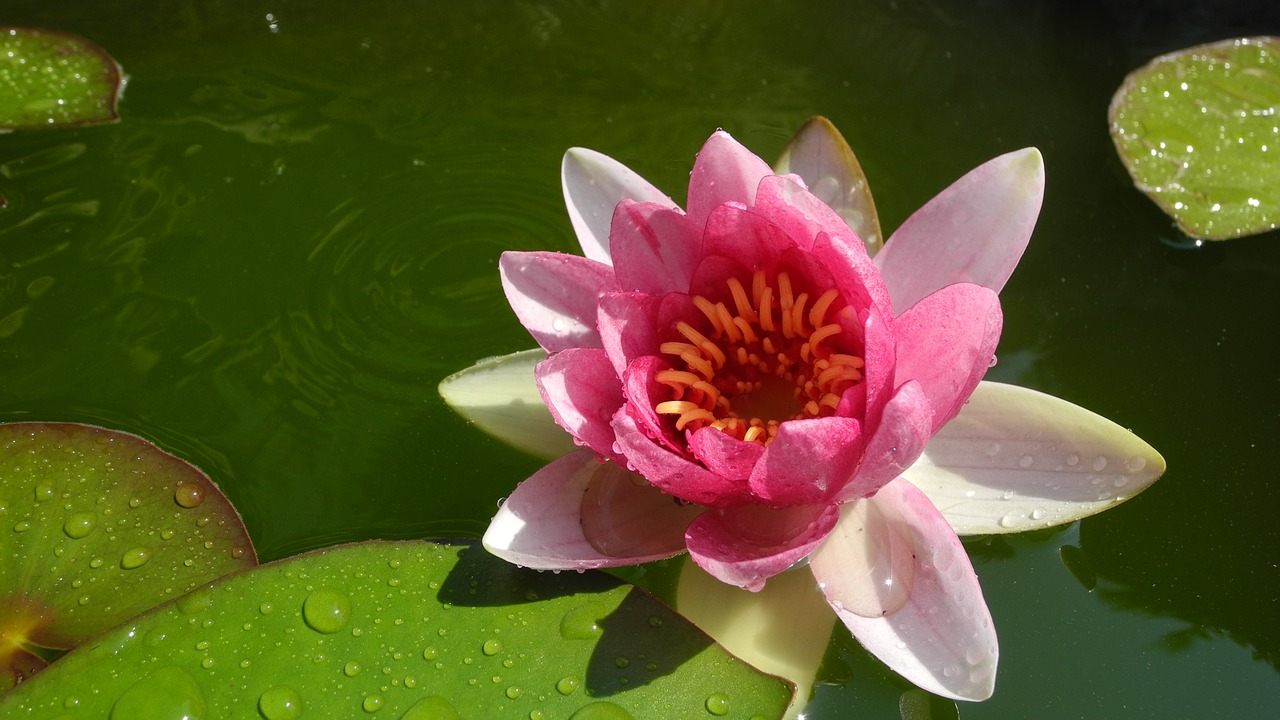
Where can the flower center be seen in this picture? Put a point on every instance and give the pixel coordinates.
(768, 360)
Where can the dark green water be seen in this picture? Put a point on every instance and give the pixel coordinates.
(292, 236)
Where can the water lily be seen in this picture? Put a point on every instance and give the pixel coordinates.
(749, 385)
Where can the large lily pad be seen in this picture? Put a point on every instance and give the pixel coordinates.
(410, 630)
(99, 526)
(51, 79)
(1199, 131)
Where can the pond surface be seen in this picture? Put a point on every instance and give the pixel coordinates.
(292, 236)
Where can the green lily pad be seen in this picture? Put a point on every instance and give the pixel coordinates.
(410, 630)
(99, 526)
(1199, 131)
(51, 79)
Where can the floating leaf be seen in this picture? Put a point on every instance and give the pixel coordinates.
(98, 526)
(410, 630)
(1199, 131)
(50, 79)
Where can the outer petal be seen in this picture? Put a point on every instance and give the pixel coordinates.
(946, 342)
(974, 231)
(1016, 459)
(808, 461)
(579, 513)
(593, 185)
(819, 154)
(582, 391)
(896, 443)
(555, 296)
(942, 638)
(501, 397)
(783, 630)
(725, 171)
(747, 545)
(655, 248)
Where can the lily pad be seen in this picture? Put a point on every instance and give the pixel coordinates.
(1199, 131)
(99, 526)
(410, 630)
(52, 79)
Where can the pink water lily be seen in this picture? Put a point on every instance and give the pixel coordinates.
(749, 385)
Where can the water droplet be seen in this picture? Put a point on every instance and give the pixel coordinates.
(372, 703)
(207, 662)
(1099, 464)
(601, 710)
(432, 707)
(514, 692)
(717, 704)
(430, 653)
(167, 534)
(21, 527)
(951, 671)
(188, 495)
(326, 611)
(135, 558)
(1010, 519)
(1008, 495)
(238, 552)
(1025, 461)
(1135, 463)
(80, 525)
(583, 622)
(1038, 514)
(993, 449)
(168, 692)
(621, 661)
(135, 503)
(84, 600)
(44, 491)
(266, 608)
(280, 703)
(1073, 459)
(566, 685)
(491, 647)
(1121, 481)
(351, 669)
(655, 622)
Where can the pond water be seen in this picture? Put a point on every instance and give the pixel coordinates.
(292, 236)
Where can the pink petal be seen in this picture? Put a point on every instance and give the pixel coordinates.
(896, 443)
(724, 455)
(974, 231)
(555, 296)
(941, 638)
(654, 248)
(672, 472)
(946, 342)
(808, 461)
(747, 545)
(632, 324)
(546, 521)
(797, 211)
(593, 185)
(582, 391)
(733, 231)
(725, 171)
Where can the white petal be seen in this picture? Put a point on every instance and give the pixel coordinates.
(1016, 459)
(500, 396)
(594, 184)
(783, 630)
(942, 639)
(578, 513)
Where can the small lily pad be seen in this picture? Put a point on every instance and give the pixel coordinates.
(1199, 131)
(98, 526)
(407, 630)
(51, 79)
